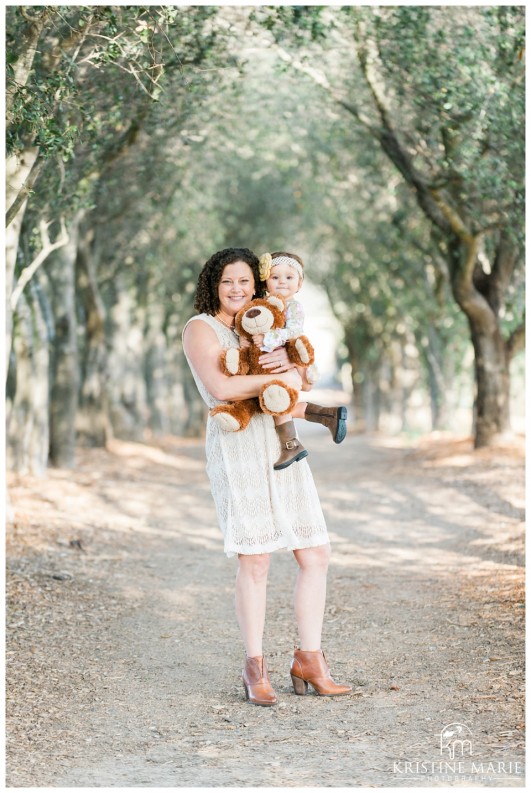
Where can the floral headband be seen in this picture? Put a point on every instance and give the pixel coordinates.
(266, 264)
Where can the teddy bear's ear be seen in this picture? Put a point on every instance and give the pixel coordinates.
(276, 301)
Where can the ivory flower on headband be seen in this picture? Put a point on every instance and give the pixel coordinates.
(264, 265)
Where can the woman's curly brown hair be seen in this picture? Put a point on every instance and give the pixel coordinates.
(206, 296)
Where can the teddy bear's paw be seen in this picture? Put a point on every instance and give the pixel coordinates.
(300, 351)
(227, 422)
(303, 351)
(275, 399)
(232, 360)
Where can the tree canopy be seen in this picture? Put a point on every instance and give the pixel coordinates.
(383, 144)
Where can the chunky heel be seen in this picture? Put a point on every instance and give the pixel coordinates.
(299, 686)
(311, 667)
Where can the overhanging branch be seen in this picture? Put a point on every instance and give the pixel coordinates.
(24, 191)
(47, 248)
(320, 79)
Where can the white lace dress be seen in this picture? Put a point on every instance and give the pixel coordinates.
(259, 510)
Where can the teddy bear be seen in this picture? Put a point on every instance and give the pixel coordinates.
(276, 398)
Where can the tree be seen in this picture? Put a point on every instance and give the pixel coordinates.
(444, 98)
(84, 86)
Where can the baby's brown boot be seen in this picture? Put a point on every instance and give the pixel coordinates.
(291, 449)
(333, 418)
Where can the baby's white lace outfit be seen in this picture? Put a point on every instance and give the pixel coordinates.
(259, 509)
(293, 327)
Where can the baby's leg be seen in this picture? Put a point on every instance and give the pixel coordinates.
(297, 412)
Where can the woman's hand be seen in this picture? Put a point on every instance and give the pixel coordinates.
(276, 361)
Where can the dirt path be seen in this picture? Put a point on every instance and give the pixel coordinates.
(124, 654)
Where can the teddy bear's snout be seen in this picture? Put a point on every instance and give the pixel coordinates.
(254, 312)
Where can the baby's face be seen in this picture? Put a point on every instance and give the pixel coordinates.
(284, 281)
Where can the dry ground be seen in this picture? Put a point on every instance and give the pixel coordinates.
(124, 655)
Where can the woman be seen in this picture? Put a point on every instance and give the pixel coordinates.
(259, 510)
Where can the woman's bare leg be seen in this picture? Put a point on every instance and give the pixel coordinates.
(251, 588)
(310, 594)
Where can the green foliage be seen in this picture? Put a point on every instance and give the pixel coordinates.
(301, 23)
(177, 132)
(455, 80)
(126, 49)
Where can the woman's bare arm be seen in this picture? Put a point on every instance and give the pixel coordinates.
(203, 349)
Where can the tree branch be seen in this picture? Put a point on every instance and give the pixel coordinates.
(516, 341)
(321, 80)
(25, 190)
(47, 248)
(505, 260)
(22, 68)
(385, 135)
(454, 220)
(390, 143)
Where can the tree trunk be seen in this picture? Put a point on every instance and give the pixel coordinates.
(18, 168)
(435, 396)
(390, 391)
(126, 386)
(358, 393)
(40, 429)
(358, 401)
(27, 424)
(194, 424)
(491, 366)
(358, 382)
(156, 375)
(65, 358)
(92, 421)
(372, 400)
(175, 364)
(433, 354)
(491, 358)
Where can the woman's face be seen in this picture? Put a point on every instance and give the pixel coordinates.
(236, 287)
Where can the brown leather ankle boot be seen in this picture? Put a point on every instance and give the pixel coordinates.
(256, 682)
(310, 666)
(333, 418)
(291, 449)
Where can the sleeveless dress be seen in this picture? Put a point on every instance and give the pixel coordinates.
(259, 509)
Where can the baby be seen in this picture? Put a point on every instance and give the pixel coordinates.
(283, 275)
